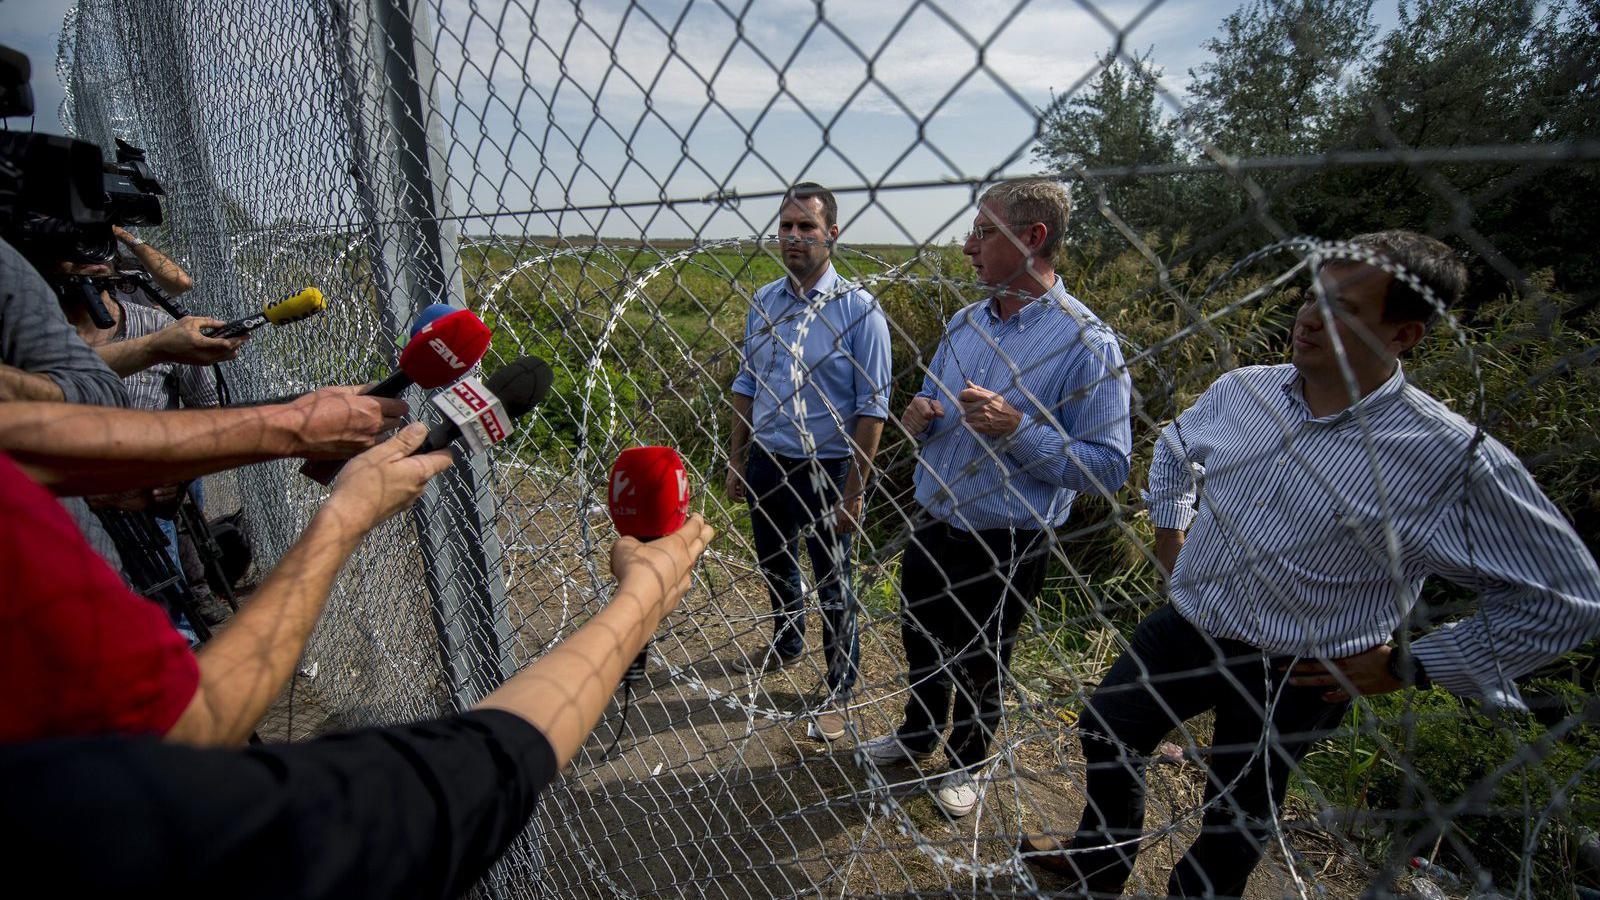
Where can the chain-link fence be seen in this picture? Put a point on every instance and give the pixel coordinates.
(602, 184)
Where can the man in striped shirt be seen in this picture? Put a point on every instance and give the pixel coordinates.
(1024, 406)
(1310, 501)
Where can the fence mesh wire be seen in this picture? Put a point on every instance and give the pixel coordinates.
(601, 183)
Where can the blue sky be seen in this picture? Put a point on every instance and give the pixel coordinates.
(521, 90)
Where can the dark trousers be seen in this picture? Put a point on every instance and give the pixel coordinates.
(964, 596)
(789, 498)
(1173, 672)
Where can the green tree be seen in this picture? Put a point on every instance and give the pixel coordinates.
(1475, 73)
(1276, 79)
(1114, 121)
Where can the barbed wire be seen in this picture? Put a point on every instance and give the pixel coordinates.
(347, 143)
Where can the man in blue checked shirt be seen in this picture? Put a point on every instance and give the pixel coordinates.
(1024, 406)
(1310, 501)
(809, 404)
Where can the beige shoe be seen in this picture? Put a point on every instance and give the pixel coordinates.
(828, 726)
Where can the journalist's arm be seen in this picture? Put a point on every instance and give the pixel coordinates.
(244, 667)
(169, 275)
(180, 342)
(86, 450)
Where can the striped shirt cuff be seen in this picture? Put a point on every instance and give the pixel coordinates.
(1448, 667)
(1174, 514)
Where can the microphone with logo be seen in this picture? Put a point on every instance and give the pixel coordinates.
(479, 412)
(439, 353)
(483, 413)
(648, 498)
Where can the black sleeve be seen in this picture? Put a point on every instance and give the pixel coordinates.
(417, 810)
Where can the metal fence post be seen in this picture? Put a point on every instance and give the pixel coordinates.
(415, 263)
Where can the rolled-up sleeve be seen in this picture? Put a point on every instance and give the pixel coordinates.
(1089, 449)
(1538, 587)
(874, 367)
(1177, 464)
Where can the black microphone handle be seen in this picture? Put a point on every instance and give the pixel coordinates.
(237, 327)
(439, 437)
(391, 387)
(637, 668)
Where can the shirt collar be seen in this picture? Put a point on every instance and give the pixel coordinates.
(827, 284)
(1294, 389)
(1055, 297)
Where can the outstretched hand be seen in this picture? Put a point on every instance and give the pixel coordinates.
(663, 564)
(339, 422)
(183, 342)
(386, 479)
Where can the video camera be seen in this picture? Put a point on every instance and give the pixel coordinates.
(58, 196)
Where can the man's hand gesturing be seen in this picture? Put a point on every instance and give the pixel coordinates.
(338, 422)
(920, 412)
(988, 413)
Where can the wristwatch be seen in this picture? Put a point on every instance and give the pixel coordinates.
(1407, 670)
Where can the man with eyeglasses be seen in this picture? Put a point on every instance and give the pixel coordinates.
(1024, 406)
(809, 404)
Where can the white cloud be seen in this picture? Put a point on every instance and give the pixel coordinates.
(684, 54)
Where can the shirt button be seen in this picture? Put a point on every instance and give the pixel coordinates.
(1283, 460)
(1261, 503)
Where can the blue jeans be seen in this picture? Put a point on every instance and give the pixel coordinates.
(790, 498)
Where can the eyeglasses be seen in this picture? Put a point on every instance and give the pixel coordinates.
(982, 232)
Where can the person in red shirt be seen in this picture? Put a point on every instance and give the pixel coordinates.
(81, 652)
(83, 655)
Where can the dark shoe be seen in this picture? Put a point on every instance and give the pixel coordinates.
(211, 609)
(763, 662)
(1046, 852)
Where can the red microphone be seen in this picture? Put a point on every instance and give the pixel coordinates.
(439, 353)
(648, 497)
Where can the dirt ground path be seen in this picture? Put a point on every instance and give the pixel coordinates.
(714, 789)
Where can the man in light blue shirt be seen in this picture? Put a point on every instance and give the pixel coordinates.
(1025, 406)
(809, 404)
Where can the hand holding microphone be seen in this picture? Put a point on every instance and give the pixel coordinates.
(441, 352)
(482, 413)
(648, 497)
(288, 308)
(385, 479)
(189, 341)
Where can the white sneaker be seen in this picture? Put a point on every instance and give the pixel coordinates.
(957, 794)
(887, 750)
